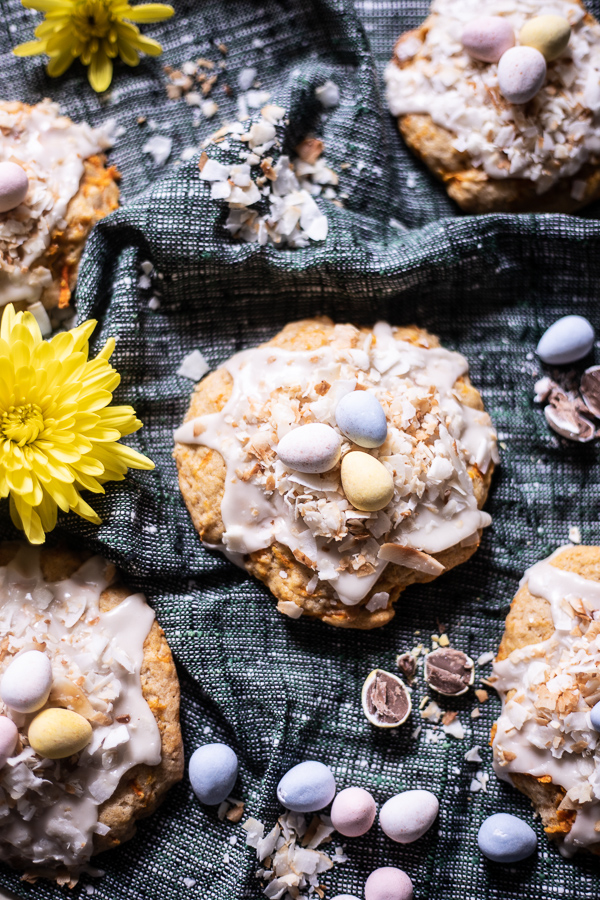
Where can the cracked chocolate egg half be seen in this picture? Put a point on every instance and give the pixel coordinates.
(385, 699)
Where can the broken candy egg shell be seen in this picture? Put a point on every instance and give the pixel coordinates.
(589, 388)
(14, 185)
(568, 339)
(26, 683)
(365, 704)
(469, 662)
(307, 787)
(549, 34)
(487, 38)
(506, 839)
(213, 771)
(367, 484)
(8, 739)
(409, 815)
(560, 426)
(360, 417)
(388, 883)
(353, 812)
(313, 449)
(58, 733)
(521, 74)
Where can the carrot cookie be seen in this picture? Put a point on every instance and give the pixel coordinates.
(339, 465)
(54, 187)
(503, 104)
(89, 711)
(547, 740)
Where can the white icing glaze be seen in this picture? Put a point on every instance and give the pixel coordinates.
(558, 134)
(274, 390)
(562, 676)
(49, 809)
(51, 148)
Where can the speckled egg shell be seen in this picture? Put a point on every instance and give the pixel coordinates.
(407, 816)
(567, 340)
(506, 839)
(213, 772)
(521, 74)
(487, 38)
(312, 448)
(58, 733)
(388, 883)
(353, 812)
(595, 717)
(360, 417)
(14, 185)
(307, 787)
(549, 34)
(26, 683)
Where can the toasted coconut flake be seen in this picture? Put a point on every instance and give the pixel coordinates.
(410, 558)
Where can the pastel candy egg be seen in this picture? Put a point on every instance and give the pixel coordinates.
(8, 739)
(367, 483)
(312, 448)
(58, 733)
(506, 839)
(521, 74)
(595, 717)
(26, 683)
(567, 340)
(388, 883)
(307, 787)
(213, 772)
(360, 416)
(407, 816)
(353, 812)
(14, 185)
(487, 38)
(548, 34)
(344, 897)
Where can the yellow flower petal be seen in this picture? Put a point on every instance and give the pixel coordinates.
(30, 48)
(100, 72)
(58, 65)
(149, 12)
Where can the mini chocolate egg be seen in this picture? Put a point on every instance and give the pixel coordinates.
(407, 816)
(312, 448)
(521, 74)
(388, 883)
(595, 717)
(385, 699)
(360, 416)
(307, 787)
(57, 733)
(487, 38)
(353, 812)
(367, 483)
(14, 185)
(8, 739)
(26, 683)
(213, 772)
(568, 339)
(506, 839)
(549, 34)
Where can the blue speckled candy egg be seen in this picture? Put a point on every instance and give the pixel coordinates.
(307, 787)
(567, 340)
(213, 771)
(595, 717)
(360, 416)
(506, 839)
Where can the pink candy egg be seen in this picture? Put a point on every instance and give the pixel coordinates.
(14, 185)
(8, 739)
(487, 38)
(388, 883)
(521, 74)
(353, 812)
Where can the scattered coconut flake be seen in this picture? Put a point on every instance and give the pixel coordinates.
(473, 755)
(159, 147)
(485, 658)
(189, 882)
(209, 108)
(574, 534)
(379, 600)
(455, 729)
(246, 77)
(41, 317)
(193, 366)
(328, 94)
(289, 608)
(479, 783)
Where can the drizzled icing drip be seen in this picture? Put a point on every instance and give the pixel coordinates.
(545, 728)
(433, 439)
(49, 809)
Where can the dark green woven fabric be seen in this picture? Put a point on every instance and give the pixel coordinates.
(277, 690)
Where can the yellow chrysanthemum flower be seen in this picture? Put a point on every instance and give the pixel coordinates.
(96, 31)
(58, 434)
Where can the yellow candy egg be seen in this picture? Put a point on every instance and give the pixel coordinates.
(548, 34)
(367, 483)
(58, 733)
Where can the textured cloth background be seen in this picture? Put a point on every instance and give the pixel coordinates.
(278, 690)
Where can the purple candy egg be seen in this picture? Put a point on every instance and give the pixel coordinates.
(487, 38)
(521, 74)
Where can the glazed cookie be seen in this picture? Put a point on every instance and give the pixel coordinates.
(54, 187)
(547, 740)
(519, 132)
(339, 465)
(89, 711)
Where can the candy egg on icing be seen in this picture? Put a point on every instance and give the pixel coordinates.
(388, 883)
(213, 772)
(506, 839)
(8, 739)
(549, 34)
(26, 683)
(487, 38)
(58, 733)
(595, 717)
(367, 483)
(360, 416)
(14, 185)
(353, 812)
(407, 816)
(312, 448)
(307, 787)
(521, 74)
(568, 339)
